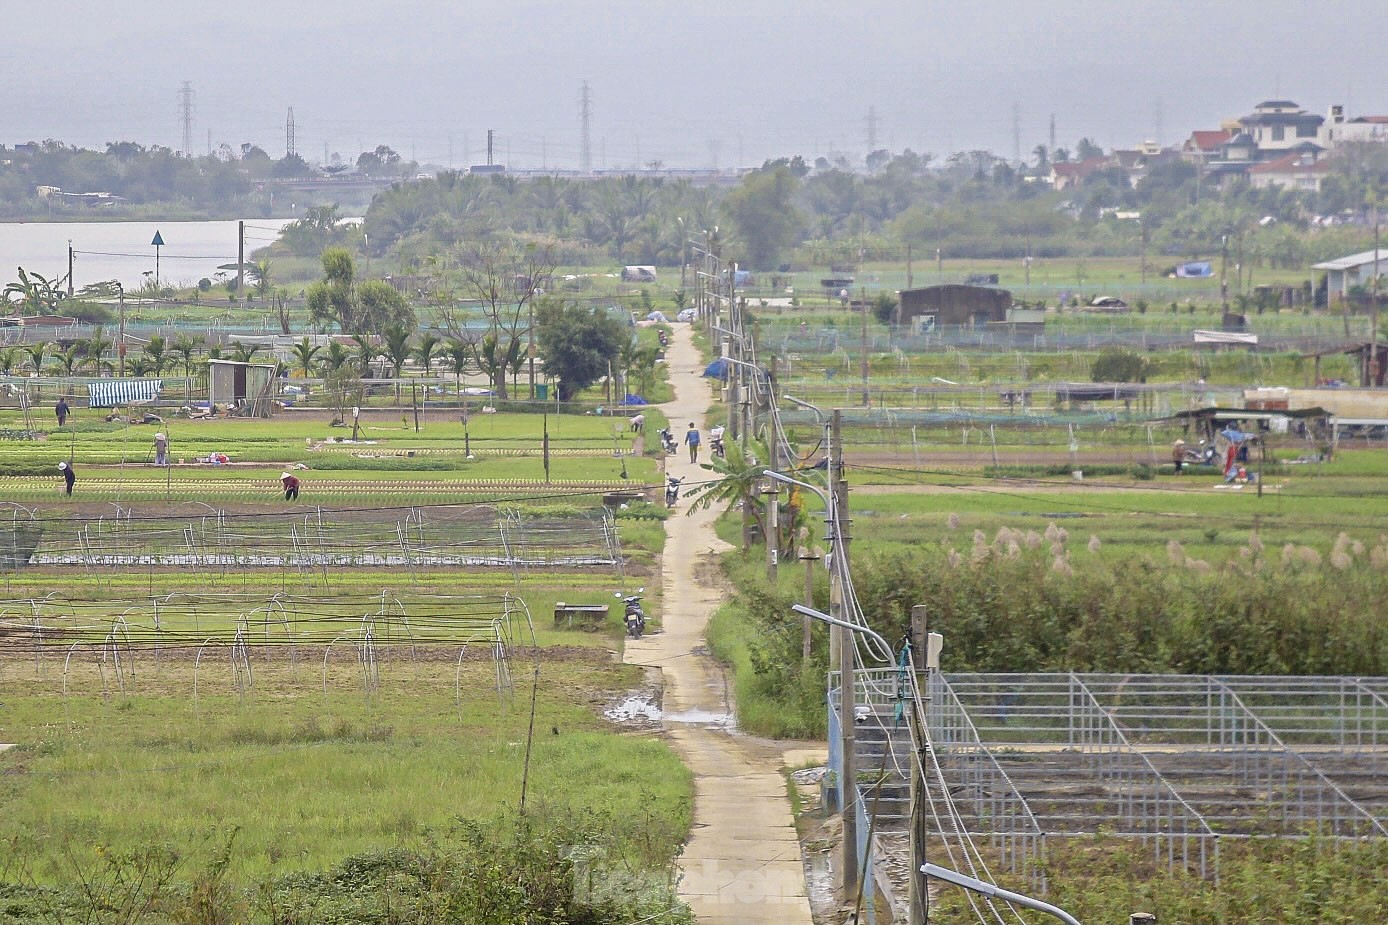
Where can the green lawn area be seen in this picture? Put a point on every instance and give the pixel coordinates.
(303, 776)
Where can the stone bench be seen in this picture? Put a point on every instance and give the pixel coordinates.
(582, 616)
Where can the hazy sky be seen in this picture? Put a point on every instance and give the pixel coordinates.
(686, 83)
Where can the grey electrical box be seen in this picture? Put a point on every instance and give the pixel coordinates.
(934, 642)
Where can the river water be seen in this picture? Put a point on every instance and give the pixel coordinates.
(122, 250)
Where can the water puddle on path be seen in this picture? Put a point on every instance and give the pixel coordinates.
(633, 709)
(703, 718)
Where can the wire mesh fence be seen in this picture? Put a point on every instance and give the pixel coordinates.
(104, 647)
(216, 541)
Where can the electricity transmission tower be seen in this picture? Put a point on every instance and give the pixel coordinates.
(289, 149)
(585, 114)
(185, 113)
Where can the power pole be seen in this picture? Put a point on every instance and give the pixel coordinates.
(491, 136)
(1373, 325)
(772, 495)
(120, 338)
(1224, 271)
(585, 139)
(867, 399)
(289, 147)
(910, 280)
(848, 786)
(809, 556)
(530, 343)
(241, 259)
(918, 898)
(69, 269)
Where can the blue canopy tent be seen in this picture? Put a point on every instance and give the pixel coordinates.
(718, 369)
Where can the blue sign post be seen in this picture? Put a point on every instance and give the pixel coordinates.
(157, 243)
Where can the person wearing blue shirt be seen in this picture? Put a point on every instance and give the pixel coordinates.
(691, 439)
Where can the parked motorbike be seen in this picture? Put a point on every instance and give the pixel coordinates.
(664, 339)
(716, 443)
(635, 617)
(672, 491)
(1204, 454)
(667, 440)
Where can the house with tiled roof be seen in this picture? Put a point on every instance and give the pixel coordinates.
(1072, 173)
(1280, 125)
(1303, 170)
(1204, 145)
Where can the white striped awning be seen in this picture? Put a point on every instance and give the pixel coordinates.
(122, 392)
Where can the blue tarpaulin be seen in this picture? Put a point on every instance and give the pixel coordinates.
(718, 369)
(635, 400)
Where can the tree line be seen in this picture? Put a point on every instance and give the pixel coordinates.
(973, 204)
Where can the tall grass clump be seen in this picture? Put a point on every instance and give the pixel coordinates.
(1023, 601)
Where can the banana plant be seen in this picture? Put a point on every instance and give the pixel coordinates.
(36, 295)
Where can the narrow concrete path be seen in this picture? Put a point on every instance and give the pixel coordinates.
(742, 863)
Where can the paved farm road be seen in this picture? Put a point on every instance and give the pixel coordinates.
(742, 864)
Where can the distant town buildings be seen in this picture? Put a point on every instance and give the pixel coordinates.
(1278, 144)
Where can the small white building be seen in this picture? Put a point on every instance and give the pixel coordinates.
(1355, 270)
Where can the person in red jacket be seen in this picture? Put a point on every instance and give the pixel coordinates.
(291, 486)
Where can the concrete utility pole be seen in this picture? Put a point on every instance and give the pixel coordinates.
(809, 557)
(847, 651)
(1224, 272)
(867, 399)
(734, 411)
(918, 900)
(771, 493)
(120, 338)
(241, 259)
(1373, 325)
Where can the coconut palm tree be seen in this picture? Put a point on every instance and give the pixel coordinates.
(304, 352)
(397, 350)
(263, 284)
(157, 351)
(366, 352)
(335, 357)
(37, 353)
(70, 360)
(426, 350)
(184, 347)
(457, 353)
(95, 348)
(242, 352)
